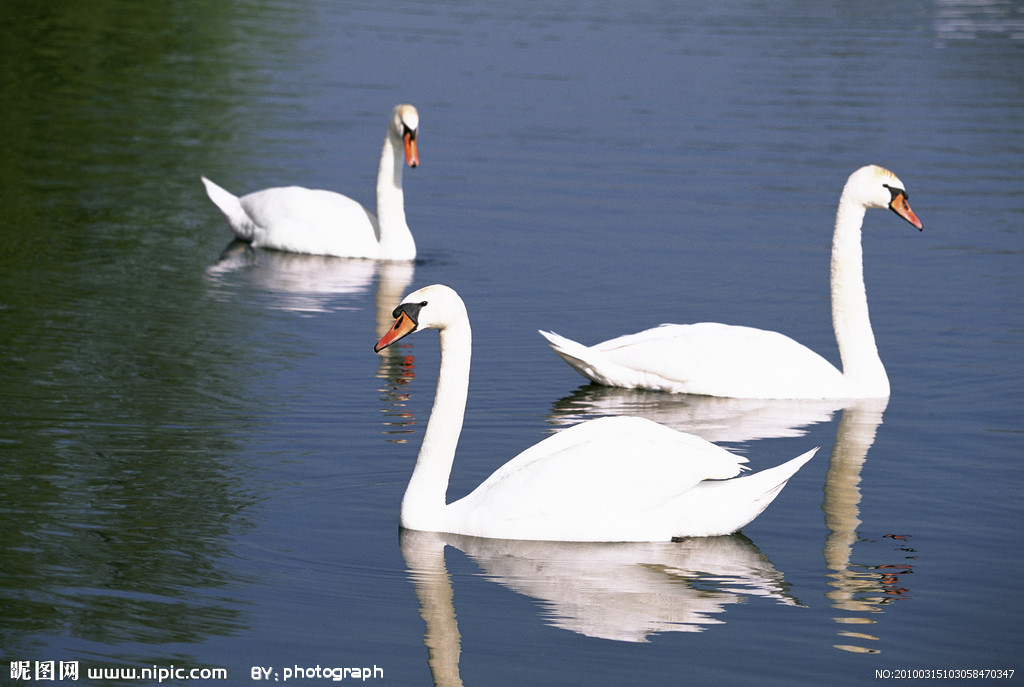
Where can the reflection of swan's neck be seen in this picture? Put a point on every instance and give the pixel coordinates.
(851, 589)
(862, 368)
(424, 556)
(854, 436)
(396, 240)
(393, 279)
(424, 503)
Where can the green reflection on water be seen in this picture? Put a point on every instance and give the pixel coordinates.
(118, 492)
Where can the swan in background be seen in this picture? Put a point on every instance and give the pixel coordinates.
(610, 479)
(302, 220)
(711, 359)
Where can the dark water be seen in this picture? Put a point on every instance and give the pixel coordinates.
(202, 458)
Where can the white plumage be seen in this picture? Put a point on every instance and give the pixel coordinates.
(302, 220)
(712, 359)
(611, 479)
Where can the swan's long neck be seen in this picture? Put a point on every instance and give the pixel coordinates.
(423, 506)
(396, 242)
(862, 368)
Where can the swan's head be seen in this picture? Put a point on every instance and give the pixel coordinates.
(404, 124)
(877, 187)
(432, 307)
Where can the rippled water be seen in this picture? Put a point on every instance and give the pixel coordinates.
(203, 458)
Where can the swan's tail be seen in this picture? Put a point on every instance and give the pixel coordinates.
(733, 503)
(231, 207)
(579, 357)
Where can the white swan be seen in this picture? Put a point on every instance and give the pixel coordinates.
(302, 220)
(711, 359)
(611, 479)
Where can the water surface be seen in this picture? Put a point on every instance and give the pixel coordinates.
(203, 458)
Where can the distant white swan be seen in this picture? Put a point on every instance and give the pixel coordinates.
(712, 359)
(302, 220)
(611, 479)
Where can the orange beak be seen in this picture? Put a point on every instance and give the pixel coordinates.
(412, 158)
(901, 207)
(403, 327)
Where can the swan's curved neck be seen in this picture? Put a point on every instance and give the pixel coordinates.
(423, 506)
(395, 239)
(862, 368)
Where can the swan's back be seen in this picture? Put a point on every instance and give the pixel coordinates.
(301, 220)
(607, 479)
(709, 359)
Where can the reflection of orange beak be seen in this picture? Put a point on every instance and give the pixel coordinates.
(901, 207)
(412, 158)
(403, 327)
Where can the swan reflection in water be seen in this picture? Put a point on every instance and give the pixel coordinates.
(309, 284)
(625, 592)
(712, 418)
(859, 590)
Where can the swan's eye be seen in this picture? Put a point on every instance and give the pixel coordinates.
(411, 310)
(896, 192)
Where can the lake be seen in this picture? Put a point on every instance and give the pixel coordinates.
(203, 459)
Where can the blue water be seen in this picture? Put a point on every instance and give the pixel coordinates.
(203, 458)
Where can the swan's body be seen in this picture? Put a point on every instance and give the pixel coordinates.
(712, 359)
(302, 220)
(611, 479)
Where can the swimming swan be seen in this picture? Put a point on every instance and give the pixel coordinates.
(610, 479)
(712, 359)
(302, 220)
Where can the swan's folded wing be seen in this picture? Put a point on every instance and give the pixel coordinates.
(596, 475)
(304, 220)
(719, 359)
